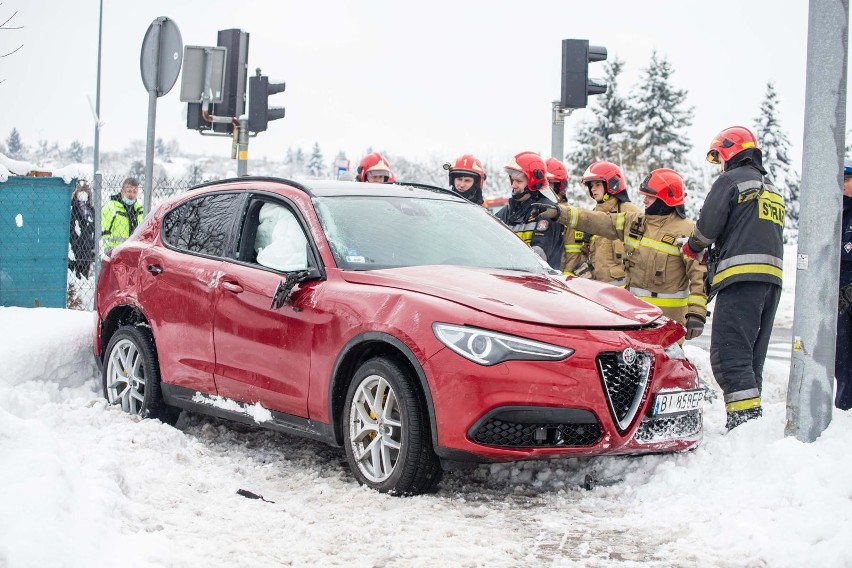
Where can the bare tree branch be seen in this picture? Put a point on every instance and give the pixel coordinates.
(9, 19)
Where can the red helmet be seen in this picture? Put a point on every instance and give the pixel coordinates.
(729, 143)
(531, 165)
(556, 172)
(609, 174)
(375, 164)
(664, 184)
(467, 165)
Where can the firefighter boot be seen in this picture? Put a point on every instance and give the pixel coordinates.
(737, 417)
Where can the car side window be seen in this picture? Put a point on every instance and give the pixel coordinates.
(201, 225)
(272, 237)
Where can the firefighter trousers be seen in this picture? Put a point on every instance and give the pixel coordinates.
(843, 360)
(742, 325)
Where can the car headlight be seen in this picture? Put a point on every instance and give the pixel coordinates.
(675, 351)
(489, 347)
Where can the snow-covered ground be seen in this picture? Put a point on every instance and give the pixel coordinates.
(84, 485)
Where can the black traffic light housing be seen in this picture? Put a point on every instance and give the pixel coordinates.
(234, 91)
(576, 86)
(260, 113)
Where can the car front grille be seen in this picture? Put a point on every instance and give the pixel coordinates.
(496, 432)
(624, 383)
(663, 428)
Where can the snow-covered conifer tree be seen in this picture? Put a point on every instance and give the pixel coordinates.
(775, 144)
(316, 164)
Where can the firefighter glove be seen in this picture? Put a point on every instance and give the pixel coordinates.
(544, 211)
(689, 252)
(694, 326)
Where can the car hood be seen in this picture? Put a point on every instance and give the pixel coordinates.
(539, 299)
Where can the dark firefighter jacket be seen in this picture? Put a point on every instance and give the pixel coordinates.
(743, 215)
(541, 233)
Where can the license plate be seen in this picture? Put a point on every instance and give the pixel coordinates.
(680, 401)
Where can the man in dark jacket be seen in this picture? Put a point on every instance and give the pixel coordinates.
(528, 176)
(743, 218)
(843, 355)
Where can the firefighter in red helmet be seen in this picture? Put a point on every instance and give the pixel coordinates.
(375, 169)
(604, 260)
(557, 177)
(743, 220)
(467, 177)
(528, 176)
(656, 271)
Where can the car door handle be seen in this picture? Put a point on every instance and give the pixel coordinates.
(232, 287)
(154, 269)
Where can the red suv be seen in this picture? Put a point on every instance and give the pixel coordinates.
(403, 323)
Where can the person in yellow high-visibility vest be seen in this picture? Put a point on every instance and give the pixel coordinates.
(120, 215)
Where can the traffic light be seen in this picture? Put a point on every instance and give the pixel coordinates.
(576, 86)
(234, 89)
(260, 113)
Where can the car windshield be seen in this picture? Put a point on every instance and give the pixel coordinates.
(374, 232)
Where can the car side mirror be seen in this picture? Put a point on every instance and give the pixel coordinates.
(285, 287)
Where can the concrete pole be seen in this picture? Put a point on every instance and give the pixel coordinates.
(557, 136)
(810, 395)
(242, 147)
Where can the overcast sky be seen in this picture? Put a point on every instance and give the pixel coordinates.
(436, 78)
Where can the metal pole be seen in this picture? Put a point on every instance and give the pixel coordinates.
(557, 133)
(96, 191)
(152, 119)
(97, 156)
(242, 147)
(810, 393)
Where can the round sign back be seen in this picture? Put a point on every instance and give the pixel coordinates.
(162, 56)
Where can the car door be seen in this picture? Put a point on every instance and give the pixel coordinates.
(263, 354)
(179, 282)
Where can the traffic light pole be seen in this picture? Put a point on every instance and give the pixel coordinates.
(242, 147)
(557, 132)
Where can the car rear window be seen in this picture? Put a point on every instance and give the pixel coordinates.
(201, 225)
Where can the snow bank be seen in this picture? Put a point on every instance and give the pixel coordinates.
(100, 483)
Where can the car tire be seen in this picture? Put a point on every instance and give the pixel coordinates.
(386, 431)
(131, 375)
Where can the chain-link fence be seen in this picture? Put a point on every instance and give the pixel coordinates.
(85, 246)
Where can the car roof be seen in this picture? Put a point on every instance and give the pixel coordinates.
(332, 188)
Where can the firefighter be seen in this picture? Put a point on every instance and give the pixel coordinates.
(467, 178)
(375, 169)
(527, 177)
(742, 218)
(557, 177)
(843, 359)
(656, 270)
(575, 248)
(605, 257)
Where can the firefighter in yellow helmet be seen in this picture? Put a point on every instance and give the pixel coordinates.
(656, 270)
